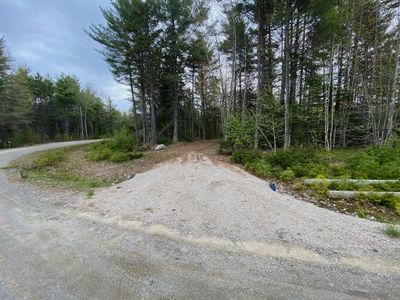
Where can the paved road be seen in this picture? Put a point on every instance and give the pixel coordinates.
(49, 250)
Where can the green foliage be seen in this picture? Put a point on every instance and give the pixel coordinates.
(120, 156)
(123, 147)
(392, 231)
(320, 189)
(240, 133)
(288, 174)
(259, 167)
(49, 158)
(370, 163)
(99, 151)
(124, 140)
(224, 148)
(298, 186)
(361, 213)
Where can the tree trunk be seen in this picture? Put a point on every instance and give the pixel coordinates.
(286, 64)
(135, 124)
(153, 114)
(144, 111)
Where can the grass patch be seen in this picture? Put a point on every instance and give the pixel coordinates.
(392, 231)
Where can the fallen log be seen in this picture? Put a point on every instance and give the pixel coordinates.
(352, 194)
(359, 181)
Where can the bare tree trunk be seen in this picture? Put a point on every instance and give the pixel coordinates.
(144, 112)
(202, 80)
(153, 114)
(81, 122)
(390, 119)
(135, 124)
(287, 82)
(192, 108)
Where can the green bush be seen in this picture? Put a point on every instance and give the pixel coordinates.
(122, 147)
(124, 156)
(124, 141)
(288, 174)
(298, 186)
(245, 156)
(49, 158)
(99, 152)
(259, 167)
(240, 133)
(392, 231)
(225, 148)
(119, 157)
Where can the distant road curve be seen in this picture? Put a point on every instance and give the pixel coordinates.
(8, 155)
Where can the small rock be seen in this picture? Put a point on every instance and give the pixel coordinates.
(130, 176)
(160, 147)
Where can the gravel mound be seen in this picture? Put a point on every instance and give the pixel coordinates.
(199, 199)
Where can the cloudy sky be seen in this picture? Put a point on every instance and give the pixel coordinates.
(48, 36)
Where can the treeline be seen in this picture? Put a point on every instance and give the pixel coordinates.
(260, 73)
(37, 109)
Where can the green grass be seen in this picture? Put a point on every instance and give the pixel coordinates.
(62, 177)
(392, 231)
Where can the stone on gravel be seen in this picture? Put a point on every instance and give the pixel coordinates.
(160, 147)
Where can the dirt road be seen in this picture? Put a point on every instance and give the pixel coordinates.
(189, 228)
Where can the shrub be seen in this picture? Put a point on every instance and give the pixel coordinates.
(124, 156)
(49, 158)
(118, 149)
(98, 152)
(225, 148)
(245, 156)
(288, 174)
(320, 189)
(298, 186)
(124, 141)
(240, 133)
(259, 167)
(119, 157)
(392, 231)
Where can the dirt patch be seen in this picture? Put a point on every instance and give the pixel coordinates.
(77, 168)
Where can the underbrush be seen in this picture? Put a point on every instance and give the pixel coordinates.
(392, 231)
(369, 163)
(292, 166)
(123, 147)
(49, 158)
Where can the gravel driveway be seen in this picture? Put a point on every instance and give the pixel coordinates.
(189, 228)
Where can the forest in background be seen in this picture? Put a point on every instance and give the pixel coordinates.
(261, 74)
(37, 109)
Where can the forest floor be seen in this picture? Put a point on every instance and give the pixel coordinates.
(193, 226)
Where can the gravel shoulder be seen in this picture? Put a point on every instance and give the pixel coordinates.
(189, 228)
